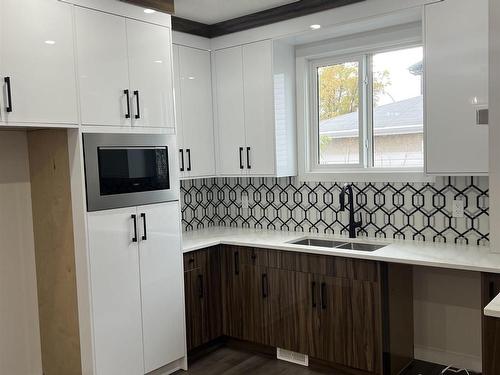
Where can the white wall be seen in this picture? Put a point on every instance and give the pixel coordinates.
(20, 352)
(447, 307)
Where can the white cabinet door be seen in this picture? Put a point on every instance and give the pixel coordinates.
(150, 59)
(179, 123)
(456, 64)
(196, 111)
(230, 111)
(38, 58)
(103, 68)
(259, 108)
(116, 294)
(162, 287)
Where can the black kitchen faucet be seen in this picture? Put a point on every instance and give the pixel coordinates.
(353, 224)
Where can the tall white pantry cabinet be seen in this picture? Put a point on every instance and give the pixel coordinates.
(137, 288)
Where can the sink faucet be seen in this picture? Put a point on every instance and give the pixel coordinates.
(353, 224)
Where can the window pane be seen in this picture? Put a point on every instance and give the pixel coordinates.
(338, 103)
(398, 108)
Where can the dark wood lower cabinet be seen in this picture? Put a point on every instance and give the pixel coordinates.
(335, 310)
(491, 326)
(202, 284)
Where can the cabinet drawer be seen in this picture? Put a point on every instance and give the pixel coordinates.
(330, 266)
(260, 257)
(195, 259)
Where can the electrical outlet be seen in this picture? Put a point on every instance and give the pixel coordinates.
(244, 201)
(458, 208)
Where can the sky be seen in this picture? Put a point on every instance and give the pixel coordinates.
(404, 84)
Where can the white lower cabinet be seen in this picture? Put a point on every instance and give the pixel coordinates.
(137, 288)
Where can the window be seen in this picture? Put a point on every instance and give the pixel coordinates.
(367, 111)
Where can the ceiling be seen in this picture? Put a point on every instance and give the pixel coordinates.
(213, 11)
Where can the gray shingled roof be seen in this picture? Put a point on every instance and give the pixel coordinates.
(403, 117)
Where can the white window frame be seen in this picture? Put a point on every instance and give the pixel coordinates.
(309, 167)
(314, 121)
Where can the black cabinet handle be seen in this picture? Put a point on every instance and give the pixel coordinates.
(323, 296)
(144, 236)
(254, 256)
(200, 286)
(265, 286)
(136, 94)
(236, 263)
(127, 94)
(181, 151)
(248, 158)
(9, 94)
(134, 217)
(313, 293)
(188, 152)
(241, 158)
(191, 260)
(492, 291)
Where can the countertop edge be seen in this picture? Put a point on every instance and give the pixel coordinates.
(492, 310)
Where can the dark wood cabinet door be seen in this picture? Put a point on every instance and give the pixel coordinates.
(292, 312)
(195, 308)
(232, 295)
(349, 326)
(213, 299)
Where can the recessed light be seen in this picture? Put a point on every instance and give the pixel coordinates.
(51, 42)
(158, 61)
(149, 11)
(315, 27)
(191, 77)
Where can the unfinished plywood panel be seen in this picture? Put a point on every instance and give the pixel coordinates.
(54, 252)
(19, 330)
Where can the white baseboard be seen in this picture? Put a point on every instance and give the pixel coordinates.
(447, 358)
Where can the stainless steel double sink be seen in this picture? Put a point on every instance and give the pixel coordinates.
(344, 245)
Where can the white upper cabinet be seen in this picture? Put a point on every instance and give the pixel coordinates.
(125, 71)
(150, 65)
(103, 68)
(230, 115)
(259, 108)
(195, 130)
(255, 117)
(37, 69)
(456, 86)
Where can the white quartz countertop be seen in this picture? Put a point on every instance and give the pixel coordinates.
(493, 308)
(460, 257)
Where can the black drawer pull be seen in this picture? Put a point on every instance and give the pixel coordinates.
(313, 294)
(188, 152)
(144, 236)
(248, 158)
(181, 151)
(127, 95)
(236, 263)
(265, 286)
(191, 260)
(9, 95)
(492, 291)
(136, 94)
(200, 286)
(323, 296)
(241, 158)
(134, 218)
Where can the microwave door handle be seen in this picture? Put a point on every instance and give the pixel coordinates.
(144, 235)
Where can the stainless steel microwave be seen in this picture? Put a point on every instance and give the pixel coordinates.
(123, 170)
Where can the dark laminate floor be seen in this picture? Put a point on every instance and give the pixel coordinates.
(227, 361)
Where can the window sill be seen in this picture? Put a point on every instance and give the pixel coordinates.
(367, 175)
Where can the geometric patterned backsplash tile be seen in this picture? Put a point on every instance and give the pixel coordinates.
(412, 211)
